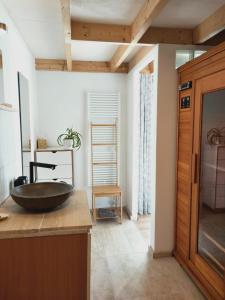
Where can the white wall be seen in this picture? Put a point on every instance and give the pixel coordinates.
(62, 103)
(163, 153)
(16, 57)
(25, 110)
(1, 84)
(133, 112)
(164, 214)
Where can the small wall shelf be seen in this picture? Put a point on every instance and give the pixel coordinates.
(7, 107)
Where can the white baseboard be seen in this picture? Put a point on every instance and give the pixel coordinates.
(161, 254)
(132, 217)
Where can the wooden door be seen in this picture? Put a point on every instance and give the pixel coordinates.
(207, 251)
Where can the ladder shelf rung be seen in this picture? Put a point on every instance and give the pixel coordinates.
(106, 144)
(104, 163)
(103, 125)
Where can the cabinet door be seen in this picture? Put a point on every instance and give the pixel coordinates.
(64, 161)
(61, 171)
(208, 181)
(55, 157)
(66, 180)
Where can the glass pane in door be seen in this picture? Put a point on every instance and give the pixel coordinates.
(211, 234)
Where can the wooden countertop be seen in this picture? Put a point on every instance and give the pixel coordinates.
(72, 217)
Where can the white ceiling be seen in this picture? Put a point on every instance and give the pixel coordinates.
(97, 51)
(177, 13)
(40, 22)
(106, 11)
(92, 51)
(186, 13)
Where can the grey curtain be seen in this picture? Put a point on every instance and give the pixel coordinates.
(146, 95)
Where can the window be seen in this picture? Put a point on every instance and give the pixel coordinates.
(184, 56)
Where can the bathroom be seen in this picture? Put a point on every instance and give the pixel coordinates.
(63, 250)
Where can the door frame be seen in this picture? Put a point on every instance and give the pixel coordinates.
(210, 83)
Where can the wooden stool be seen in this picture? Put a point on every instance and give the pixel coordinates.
(107, 191)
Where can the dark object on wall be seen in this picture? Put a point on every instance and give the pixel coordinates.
(21, 180)
(185, 102)
(185, 86)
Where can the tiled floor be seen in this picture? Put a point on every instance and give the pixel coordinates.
(123, 268)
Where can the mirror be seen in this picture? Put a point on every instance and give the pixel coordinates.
(24, 107)
(1, 80)
(211, 233)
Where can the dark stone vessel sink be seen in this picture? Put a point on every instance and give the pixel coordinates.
(41, 196)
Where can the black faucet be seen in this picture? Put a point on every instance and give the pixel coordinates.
(41, 165)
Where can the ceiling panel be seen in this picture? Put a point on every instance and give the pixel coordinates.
(38, 10)
(45, 39)
(106, 11)
(97, 51)
(186, 13)
(92, 51)
(40, 24)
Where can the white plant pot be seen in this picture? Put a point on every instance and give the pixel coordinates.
(68, 144)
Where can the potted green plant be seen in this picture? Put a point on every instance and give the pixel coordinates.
(70, 139)
(213, 136)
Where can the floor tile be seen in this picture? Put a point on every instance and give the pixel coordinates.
(123, 268)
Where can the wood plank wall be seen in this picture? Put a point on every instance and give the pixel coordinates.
(184, 177)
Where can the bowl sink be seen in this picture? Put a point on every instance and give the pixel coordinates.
(41, 196)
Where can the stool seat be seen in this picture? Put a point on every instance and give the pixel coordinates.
(106, 190)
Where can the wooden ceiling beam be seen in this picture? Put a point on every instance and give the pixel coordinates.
(149, 11)
(100, 32)
(210, 26)
(122, 34)
(139, 56)
(119, 56)
(149, 69)
(143, 20)
(160, 35)
(78, 66)
(65, 8)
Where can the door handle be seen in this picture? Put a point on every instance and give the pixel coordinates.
(195, 168)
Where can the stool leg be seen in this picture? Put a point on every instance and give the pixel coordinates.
(121, 209)
(116, 208)
(94, 209)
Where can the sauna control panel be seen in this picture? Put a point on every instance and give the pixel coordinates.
(185, 102)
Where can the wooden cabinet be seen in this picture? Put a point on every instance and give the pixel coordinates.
(64, 160)
(46, 256)
(200, 229)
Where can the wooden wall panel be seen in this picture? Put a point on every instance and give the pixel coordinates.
(184, 180)
(46, 268)
(210, 63)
